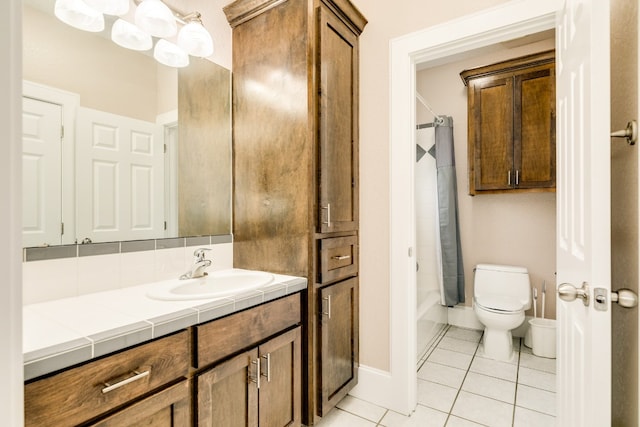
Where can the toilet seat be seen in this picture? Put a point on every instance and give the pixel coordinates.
(499, 304)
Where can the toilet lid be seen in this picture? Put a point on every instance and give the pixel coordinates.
(499, 303)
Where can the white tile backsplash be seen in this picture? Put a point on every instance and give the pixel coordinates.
(55, 279)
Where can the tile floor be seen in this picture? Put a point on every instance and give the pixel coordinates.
(457, 386)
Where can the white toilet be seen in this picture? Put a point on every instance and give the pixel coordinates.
(501, 294)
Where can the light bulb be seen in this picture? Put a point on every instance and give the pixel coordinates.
(155, 18)
(77, 14)
(127, 35)
(169, 54)
(195, 39)
(109, 7)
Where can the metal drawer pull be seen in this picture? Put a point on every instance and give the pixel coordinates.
(267, 357)
(257, 377)
(328, 312)
(136, 376)
(341, 257)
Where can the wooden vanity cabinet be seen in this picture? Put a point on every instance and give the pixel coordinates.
(90, 391)
(295, 144)
(511, 125)
(260, 387)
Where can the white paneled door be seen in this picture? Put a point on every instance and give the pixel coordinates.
(41, 173)
(583, 208)
(120, 177)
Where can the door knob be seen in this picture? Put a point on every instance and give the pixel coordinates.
(568, 292)
(625, 298)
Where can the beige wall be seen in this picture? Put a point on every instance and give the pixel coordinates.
(513, 229)
(624, 211)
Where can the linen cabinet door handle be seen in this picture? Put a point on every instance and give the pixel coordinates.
(517, 177)
(136, 376)
(256, 379)
(328, 312)
(267, 358)
(509, 178)
(328, 209)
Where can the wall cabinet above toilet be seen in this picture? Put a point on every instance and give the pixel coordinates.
(511, 125)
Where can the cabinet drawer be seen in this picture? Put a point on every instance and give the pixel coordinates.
(338, 258)
(79, 394)
(221, 338)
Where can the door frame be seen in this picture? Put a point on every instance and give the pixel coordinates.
(439, 43)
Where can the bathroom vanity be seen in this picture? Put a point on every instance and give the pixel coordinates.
(241, 367)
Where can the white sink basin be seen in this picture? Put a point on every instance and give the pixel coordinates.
(217, 284)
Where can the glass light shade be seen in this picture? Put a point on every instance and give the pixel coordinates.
(155, 18)
(127, 35)
(195, 39)
(109, 7)
(77, 14)
(169, 54)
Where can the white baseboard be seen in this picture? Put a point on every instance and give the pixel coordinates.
(376, 386)
(463, 317)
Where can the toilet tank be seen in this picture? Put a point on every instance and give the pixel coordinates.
(507, 280)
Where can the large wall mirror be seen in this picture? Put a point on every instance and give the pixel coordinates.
(146, 150)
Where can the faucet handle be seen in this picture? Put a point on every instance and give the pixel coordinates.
(199, 253)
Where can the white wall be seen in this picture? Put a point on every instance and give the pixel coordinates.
(387, 20)
(11, 387)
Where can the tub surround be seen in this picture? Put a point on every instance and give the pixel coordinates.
(61, 333)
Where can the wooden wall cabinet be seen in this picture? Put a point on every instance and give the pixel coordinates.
(511, 125)
(295, 144)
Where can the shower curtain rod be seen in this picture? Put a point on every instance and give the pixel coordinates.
(438, 120)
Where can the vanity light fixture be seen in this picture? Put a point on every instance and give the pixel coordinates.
(152, 18)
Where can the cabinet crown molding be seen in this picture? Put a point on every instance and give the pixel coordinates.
(509, 65)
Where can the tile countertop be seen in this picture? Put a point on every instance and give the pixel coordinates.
(61, 333)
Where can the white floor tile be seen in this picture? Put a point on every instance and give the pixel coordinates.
(340, 418)
(442, 374)
(528, 418)
(537, 379)
(460, 422)
(492, 387)
(483, 410)
(436, 396)
(362, 408)
(539, 363)
(421, 417)
(450, 358)
(464, 334)
(503, 370)
(455, 344)
(536, 399)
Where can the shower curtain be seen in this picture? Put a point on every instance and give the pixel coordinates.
(452, 272)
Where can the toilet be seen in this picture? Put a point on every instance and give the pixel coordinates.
(501, 294)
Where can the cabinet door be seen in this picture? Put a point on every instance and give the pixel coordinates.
(280, 396)
(227, 394)
(338, 344)
(338, 125)
(534, 136)
(168, 408)
(491, 157)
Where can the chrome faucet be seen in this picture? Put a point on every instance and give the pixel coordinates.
(199, 265)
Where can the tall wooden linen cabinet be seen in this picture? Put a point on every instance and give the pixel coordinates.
(295, 150)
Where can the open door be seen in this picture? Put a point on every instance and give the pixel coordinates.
(583, 214)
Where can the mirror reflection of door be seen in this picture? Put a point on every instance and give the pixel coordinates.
(41, 159)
